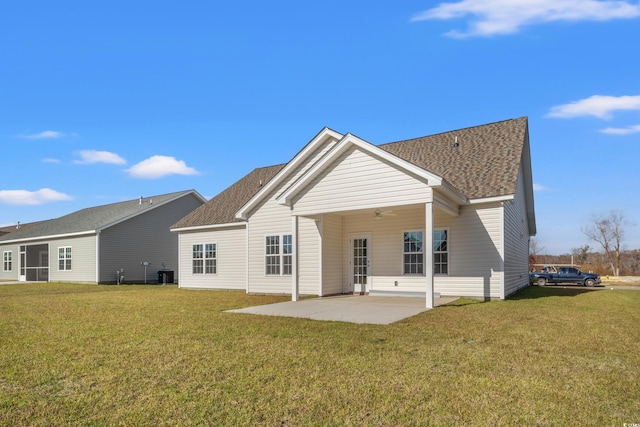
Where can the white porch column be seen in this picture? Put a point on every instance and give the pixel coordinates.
(295, 285)
(428, 252)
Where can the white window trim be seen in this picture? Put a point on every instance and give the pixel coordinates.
(214, 258)
(448, 252)
(281, 254)
(204, 259)
(65, 258)
(404, 253)
(5, 261)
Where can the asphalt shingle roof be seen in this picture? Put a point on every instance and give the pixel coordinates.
(481, 161)
(222, 208)
(90, 219)
(484, 163)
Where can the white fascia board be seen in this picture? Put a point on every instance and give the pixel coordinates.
(492, 199)
(299, 158)
(209, 227)
(525, 161)
(151, 207)
(50, 237)
(347, 142)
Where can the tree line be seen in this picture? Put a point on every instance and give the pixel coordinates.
(608, 257)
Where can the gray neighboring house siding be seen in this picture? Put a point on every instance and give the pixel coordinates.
(103, 239)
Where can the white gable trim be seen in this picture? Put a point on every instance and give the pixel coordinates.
(324, 135)
(346, 143)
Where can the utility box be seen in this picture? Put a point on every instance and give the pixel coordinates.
(165, 277)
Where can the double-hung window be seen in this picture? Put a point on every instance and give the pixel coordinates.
(210, 260)
(7, 261)
(278, 251)
(64, 258)
(440, 252)
(413, 252)
(204, 258)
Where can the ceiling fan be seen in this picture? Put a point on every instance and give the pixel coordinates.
(378, 214)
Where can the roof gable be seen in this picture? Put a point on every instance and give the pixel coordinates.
(324, 137)
(470, 164)
(94, 219)
(348, 142)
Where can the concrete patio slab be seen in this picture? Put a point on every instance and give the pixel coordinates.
(379, 310)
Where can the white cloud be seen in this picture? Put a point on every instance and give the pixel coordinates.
(597, 105)
(47, 134)
(94, 156)
(25, 197)
(622, 131)
(538, 187)
(159, 166)
(508, 16)
(50, 160)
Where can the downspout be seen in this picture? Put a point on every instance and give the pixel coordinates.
(98, 256)
(320, 227)
(179, 259)
(246, 253)
(295, 284)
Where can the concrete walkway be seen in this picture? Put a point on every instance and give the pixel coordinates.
(379, 310)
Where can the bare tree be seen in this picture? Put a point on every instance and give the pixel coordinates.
(535, 248)
(608, 232)
(581, 254)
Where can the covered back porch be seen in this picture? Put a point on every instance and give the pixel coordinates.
(388, 251)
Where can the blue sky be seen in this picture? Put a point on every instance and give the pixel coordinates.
(107, 101)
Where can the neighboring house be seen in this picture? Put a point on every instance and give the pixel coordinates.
(96, 244)
(447, 214)
(13, 228)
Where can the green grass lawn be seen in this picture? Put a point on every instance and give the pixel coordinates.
(75, 354)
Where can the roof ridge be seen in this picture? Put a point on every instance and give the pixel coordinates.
(455, 130)
(131, 200)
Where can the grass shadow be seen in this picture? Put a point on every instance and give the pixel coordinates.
(534, 292)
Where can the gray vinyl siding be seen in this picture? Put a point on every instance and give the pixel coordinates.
(83, 259)
(145, 237)
(516, 241)
(231, 258)
(15, 255)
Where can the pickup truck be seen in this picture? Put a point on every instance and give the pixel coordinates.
(564, 275)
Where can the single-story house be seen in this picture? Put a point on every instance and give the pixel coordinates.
(447, 214)
(126, 241)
